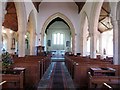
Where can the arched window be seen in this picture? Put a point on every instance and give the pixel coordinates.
(58, 39)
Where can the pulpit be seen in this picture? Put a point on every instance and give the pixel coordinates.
(40, 50)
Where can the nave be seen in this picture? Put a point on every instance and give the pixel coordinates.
(74, 73)
(86, 32)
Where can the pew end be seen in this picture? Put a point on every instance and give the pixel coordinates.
(106, 87)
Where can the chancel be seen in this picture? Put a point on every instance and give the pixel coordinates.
(59, 44)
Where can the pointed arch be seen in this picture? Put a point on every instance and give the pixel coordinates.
(84, 23)
(32, 19)
(66, 19)
(62, 16)
(32, 30)
(22, 26)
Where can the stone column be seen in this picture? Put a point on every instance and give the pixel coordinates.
(9, 41)
(93, 45)
(81, 44)
(73, 44)
(32, 42)
(42, 39)
(21, 44)
(116, 42)
(38, 39)
(22, 23)
(0, 39)
(84, 46)
(77, 43)
(100, 45)
(0, 27)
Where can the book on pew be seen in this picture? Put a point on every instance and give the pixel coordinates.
(103, 71)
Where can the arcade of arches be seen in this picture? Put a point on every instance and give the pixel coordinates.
(88, 28)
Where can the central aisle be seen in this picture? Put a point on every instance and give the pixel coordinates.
(56, 77)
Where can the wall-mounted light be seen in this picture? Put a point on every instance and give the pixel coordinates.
(11, 31)
(3, 31)
(25, 36)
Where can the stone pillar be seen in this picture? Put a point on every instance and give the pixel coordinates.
(81, 44)
(84, 46)
(9, 41)
(73, 44)
(77, 43)
(0, 39)
(116, 42)
(1, 19)
(38, 39)
(21, 44)
(32, 42)
(93, 45)
(100, 44)
(22, 23)
(42, 39)
(0, 28)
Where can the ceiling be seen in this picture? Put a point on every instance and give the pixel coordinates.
(10, 20)
(104, 19)
(79, 4)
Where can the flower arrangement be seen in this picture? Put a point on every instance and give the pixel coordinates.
(6, 60)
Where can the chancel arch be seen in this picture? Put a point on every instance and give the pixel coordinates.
(59, 15)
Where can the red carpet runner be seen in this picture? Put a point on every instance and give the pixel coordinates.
(57, 79)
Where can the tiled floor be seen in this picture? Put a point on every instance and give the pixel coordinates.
(46, 79)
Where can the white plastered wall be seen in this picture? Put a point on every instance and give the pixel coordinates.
(67, 9)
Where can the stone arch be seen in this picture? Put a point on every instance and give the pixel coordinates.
(32, 30)
(21, 15)
(84, 19)
(116, 28)
(96, 13)
(84, 15)
(32, 19)
(4, 39)
(22, 26)
(96, 8)
(66, 19)
(22, 19)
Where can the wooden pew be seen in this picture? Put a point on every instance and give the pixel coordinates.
(97, 81)
(80, 67)
(32, 72)
(35, 68)
(105, 86)
(14, 79)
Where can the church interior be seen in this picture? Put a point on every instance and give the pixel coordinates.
(59, 44)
